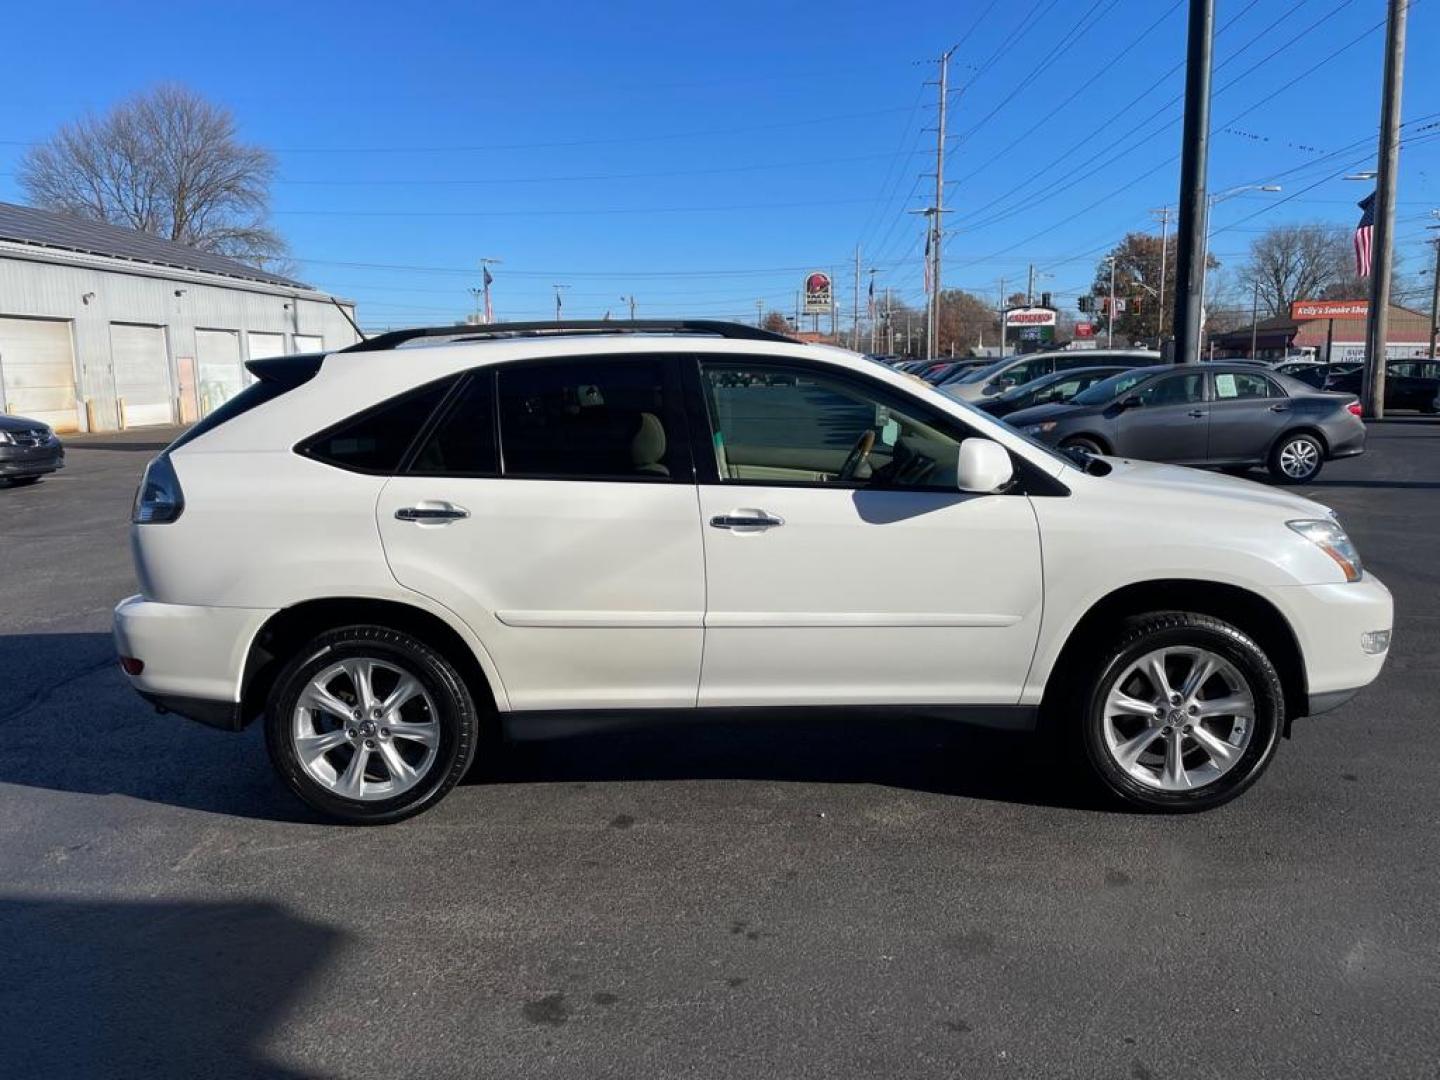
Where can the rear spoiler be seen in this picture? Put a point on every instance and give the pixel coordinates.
(286, 371)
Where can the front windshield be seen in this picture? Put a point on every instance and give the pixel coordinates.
(1111, 388)
(1031, 387)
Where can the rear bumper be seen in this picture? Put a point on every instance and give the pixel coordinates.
(1349, 441)
(194, 657)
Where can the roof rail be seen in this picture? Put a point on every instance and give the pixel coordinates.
(481, 332)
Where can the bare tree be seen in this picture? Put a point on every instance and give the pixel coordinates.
(168, 163)
(1299, 262)
(777, 323)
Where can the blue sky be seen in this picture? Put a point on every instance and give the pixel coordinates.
(702, 157)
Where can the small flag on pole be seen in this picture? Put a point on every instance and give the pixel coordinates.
(1364, 235)
(489, 309)
(927, 263)
(871, 302)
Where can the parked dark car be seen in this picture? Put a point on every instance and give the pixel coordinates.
(1233, 416)
(1409, 384)
(1058, 386)
(28, 450)
(952, 369)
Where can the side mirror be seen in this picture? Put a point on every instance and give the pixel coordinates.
(982, 466)
(1131, 402)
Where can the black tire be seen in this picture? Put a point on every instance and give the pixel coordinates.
(455, 712)
(23, 481)
(1178, 629)
(1235, 470)
(1300, 442)
(1082, 442)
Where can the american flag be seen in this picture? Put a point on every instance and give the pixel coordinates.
(1363, 235)
(489, 310)
(927, 263)
(871, 302)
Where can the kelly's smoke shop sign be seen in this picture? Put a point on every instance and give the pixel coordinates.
(1304, 310)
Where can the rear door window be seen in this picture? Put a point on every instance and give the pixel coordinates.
(1230, 386)
(463, 441)
(610, 418)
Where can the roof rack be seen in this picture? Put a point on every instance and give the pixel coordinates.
(713, 327)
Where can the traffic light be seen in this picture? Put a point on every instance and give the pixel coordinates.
(1086, 303)
(1045, 300)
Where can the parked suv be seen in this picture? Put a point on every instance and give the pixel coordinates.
(387, 550)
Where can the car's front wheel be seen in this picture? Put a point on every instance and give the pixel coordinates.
(1184, 713)
(370, 725)
(1297, 458)
(1083, 442)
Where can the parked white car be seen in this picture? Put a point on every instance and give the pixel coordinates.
(386, 551)
(987, 380)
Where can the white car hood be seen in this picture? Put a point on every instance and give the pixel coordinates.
(1138, 476)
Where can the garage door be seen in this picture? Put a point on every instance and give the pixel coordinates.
(37, 371)
(260, 344)
(142, 374)
(217, 355)
(309, 343)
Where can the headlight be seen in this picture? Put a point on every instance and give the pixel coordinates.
(6, 439)
(1039, 429)
(1330, 538)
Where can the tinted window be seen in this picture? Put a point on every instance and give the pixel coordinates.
(1106, 389)
(588, 419)
(463, 443)
(779, 425)
(376, 439)
(1232, 385)
(1174, 390)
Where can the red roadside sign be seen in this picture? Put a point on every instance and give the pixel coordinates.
(1302, 310)
(1084, 329)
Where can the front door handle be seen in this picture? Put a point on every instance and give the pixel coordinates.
(1198, 414)
(1279, 408)
(437, 513)
(745, 521)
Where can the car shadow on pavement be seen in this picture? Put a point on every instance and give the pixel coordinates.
(69, 721)
(154, 990)
(891, 747)
(143, 447)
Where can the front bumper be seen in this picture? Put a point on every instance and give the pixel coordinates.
(194, 657)
(1329, 622)
(30, 460)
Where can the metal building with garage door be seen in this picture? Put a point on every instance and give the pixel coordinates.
(103, 328)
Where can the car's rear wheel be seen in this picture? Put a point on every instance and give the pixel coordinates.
(370, 725)
(1297, 458)
(23, 481)
(1184, 713)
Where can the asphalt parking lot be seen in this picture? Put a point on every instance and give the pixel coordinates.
(787, 899)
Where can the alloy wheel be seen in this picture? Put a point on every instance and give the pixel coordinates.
(1299, 458)
(1178, 718)
(365, 729)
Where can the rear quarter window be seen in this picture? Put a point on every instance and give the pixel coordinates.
(377, 439)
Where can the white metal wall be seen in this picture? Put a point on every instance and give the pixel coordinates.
(87, 294)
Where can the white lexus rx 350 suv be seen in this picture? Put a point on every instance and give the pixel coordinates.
(386, 551)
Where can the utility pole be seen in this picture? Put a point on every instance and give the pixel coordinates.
(485, 265)
(759, 312)
(1002, 316)
(870, 312)
(855, 299)
(1435, 292)
(1030, 287)
(1372, 390)
(1164, 213)
(1194, 207)
(1254, 316)
(889, 324)
(936, 211)
(631, 301)
(557, 289)
(476, 294)
(1110, 321)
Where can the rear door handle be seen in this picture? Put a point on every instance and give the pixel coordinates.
(436, 513)
(745, 521)
(1198, 414)
(1279, 408)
